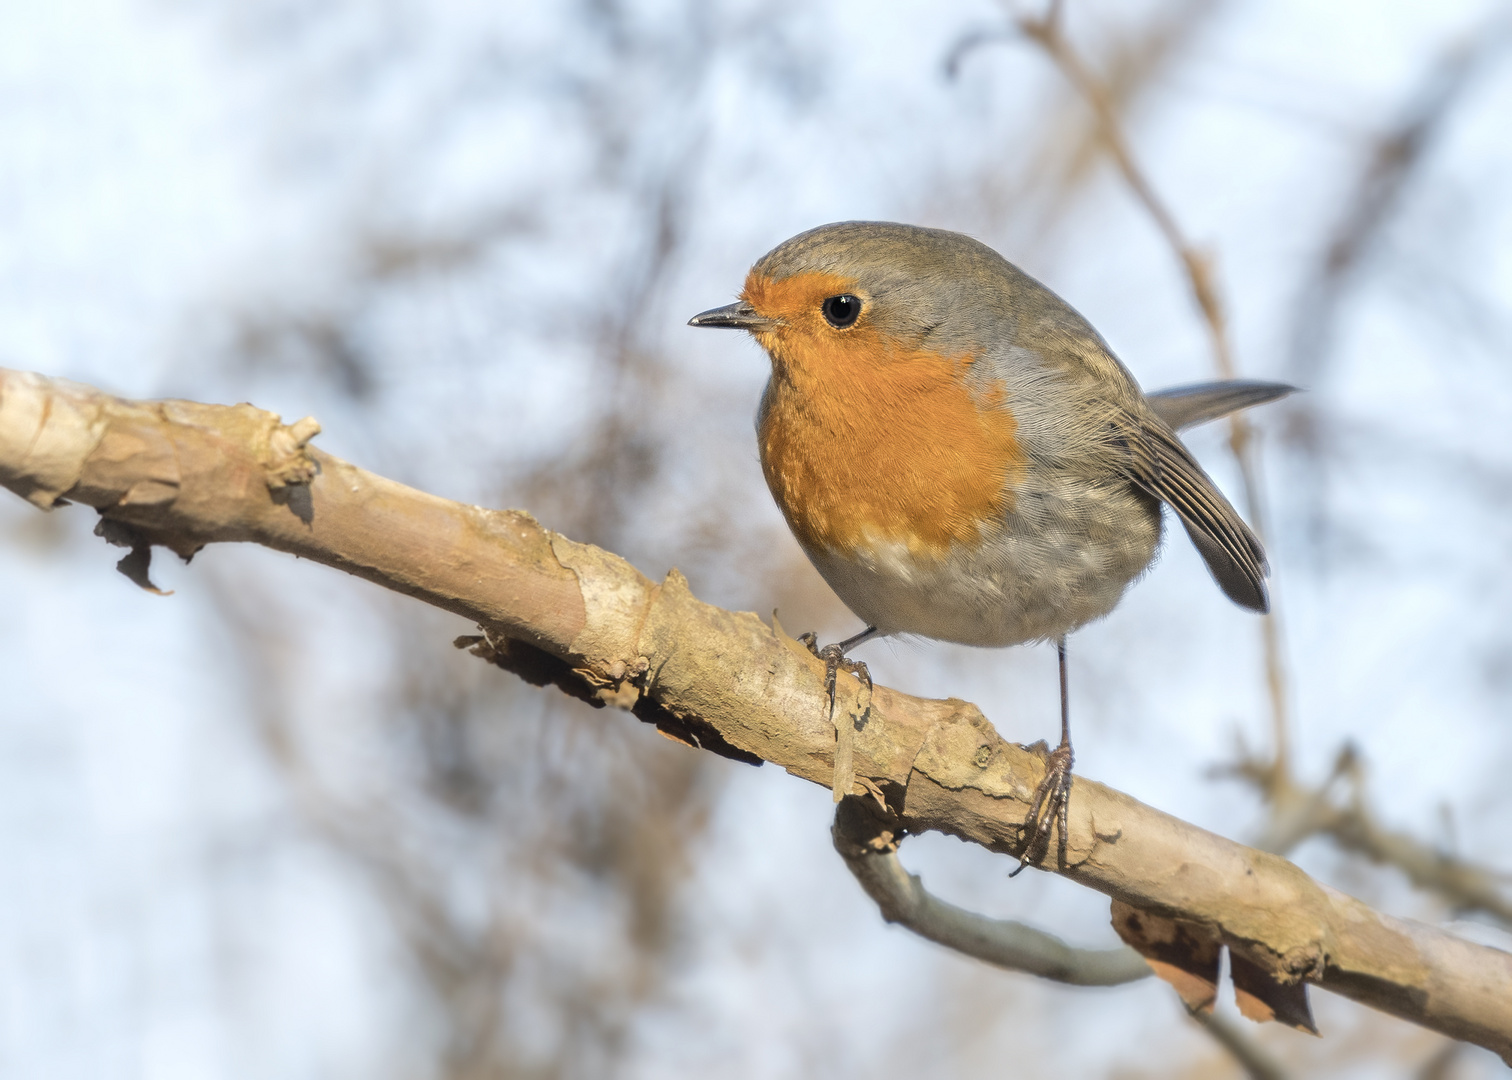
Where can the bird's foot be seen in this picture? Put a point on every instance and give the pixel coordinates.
(1051, 800)
(835, 661)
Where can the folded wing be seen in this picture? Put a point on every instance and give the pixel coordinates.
(1161, 465)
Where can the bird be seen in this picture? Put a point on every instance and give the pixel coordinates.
(962, 456)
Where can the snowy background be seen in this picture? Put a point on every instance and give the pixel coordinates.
(274, 826)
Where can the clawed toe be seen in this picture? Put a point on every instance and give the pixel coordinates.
(1051, 801)
(835, 661)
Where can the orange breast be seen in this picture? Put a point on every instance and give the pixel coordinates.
(864, 440)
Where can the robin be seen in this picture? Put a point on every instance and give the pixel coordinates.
(961, 455)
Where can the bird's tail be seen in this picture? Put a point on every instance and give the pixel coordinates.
(1187, 406)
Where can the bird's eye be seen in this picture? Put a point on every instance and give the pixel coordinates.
(842, 311)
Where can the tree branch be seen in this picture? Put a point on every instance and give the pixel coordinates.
(1393, 161)
(868, 844)
(1252, 1058)
(182, 475)
(1301, 812)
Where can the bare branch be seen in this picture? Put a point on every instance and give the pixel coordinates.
(1390, 166)
(1394, 161)
(183, 475)
(1440, 1064)
(869, 847)
(1302, 812)
(969, 43)
(1068, 144)
(1047, 33)
(1253, 1059)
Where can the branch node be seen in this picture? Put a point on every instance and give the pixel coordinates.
(289, 465)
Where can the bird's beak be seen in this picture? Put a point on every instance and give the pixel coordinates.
(737, 316)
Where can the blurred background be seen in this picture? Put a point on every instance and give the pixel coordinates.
(276, 826)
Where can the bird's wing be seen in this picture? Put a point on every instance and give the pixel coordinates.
(1088, 381)
(1162, 466)
(1187, 406)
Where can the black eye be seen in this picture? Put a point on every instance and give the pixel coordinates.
(841, 311)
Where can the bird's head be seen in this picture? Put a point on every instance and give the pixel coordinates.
(857, 294)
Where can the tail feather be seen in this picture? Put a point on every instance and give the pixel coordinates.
(1187, 406)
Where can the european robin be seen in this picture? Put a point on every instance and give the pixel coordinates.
(962, 456)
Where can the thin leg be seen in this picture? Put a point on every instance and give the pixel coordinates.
(1053, 796)
(836, 661)
(851, 642)
(1060, 653)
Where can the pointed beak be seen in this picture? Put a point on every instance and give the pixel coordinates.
(737, 316)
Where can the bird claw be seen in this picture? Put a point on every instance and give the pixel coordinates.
(1051, 801)
(835, 661)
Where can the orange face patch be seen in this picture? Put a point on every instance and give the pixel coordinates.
(863, 438)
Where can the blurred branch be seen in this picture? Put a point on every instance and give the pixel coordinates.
(182, 475)
(1070, 142)
(599, 483)
(1393, 161)
(1440, 1064)
(868, 845)
(1252, 1058)
(1297, 812)
(1302, 812)
(1390, 165)
(467, 838)
(1048, 33)
(327, 333)
(969, 43)
(466, 966)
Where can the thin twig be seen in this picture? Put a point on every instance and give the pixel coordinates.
(1440, 1064)
(868, 844)
(1048, 33)
(1254, 1059)
(1315, 811)
(1069, 145)
(1388, 170)
(1394, 161)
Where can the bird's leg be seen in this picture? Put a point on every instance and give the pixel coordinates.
(836, 661)
(1053, 796)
